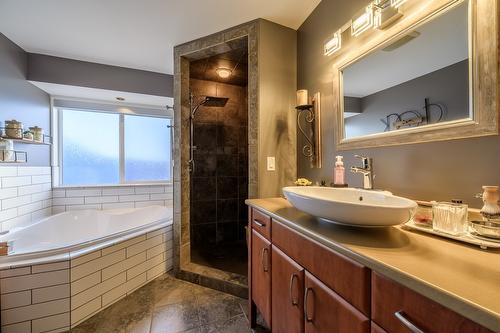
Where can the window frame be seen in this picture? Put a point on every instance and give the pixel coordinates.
(57, 151)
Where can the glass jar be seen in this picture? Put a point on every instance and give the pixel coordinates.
(450, 217)
(6, 150)
(13, 129)
(37, 133)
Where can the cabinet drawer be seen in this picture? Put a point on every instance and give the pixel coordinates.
(344, 276)
(261, 275)
(325, 311)
(395, 308)
(261, 222)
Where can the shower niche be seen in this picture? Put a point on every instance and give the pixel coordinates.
(218, 163)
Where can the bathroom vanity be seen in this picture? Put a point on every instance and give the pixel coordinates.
(311, 276)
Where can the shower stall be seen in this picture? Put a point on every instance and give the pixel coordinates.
(218, 163)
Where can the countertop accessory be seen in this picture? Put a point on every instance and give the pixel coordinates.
(490, 197)
(466, 238)
(37, 133)
(14, 129)
(28, 135)
(339, 171)
(303, 182)
(487, 229)
(450, 217)
(312, 112)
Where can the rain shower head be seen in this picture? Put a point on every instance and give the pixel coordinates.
(218, 102)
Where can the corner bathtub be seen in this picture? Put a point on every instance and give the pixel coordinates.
(65, 268)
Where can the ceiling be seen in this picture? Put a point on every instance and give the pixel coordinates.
(442, 42)
(137, 34)
(235, 60)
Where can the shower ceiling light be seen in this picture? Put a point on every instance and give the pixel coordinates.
(363, 22)
(223, 73)
(397, 3)
(334, 44)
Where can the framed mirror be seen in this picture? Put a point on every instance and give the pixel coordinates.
(433, 75)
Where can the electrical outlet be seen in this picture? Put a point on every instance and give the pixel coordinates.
(271, 163)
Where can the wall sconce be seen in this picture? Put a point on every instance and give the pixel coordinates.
(364, 21)
(334, 44)
(397, 3)
(312, 116)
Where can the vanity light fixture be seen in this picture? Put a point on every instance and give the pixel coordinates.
(364, 21)
(334, 44)
(397, 3)
(385, 14)
(223, 72)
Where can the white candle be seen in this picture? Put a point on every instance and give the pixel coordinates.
(302, 98)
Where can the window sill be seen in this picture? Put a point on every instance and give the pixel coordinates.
(116, 185)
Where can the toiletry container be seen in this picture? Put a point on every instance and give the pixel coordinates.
(14, 129)
(37, 133)
(339, 172)
(450, 217)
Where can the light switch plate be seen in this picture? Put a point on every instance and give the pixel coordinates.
(271, 163)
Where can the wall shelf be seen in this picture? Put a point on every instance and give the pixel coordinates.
(47, 140)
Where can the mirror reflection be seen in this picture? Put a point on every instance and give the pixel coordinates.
(420, 79)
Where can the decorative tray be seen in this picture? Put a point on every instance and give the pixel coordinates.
(482, 242)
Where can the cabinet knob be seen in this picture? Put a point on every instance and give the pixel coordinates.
(309, 291)
(293, 277)
(264, 259)
(411, 326)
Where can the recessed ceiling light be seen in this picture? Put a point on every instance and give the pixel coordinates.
(223, 73)
(121, 99)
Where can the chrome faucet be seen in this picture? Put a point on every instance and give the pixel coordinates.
(366, 170)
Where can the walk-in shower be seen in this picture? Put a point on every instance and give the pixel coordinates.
(209, 101)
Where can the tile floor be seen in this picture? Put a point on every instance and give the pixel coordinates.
(169, 305)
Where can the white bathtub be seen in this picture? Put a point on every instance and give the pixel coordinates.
(78, 232)
(66, 268)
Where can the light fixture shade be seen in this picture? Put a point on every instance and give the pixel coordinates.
(223, 72)
(397, 3)
(334, 44)
(363, 22)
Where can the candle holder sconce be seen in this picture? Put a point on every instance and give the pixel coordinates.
(311, 115)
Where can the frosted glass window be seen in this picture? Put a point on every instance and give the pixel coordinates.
(147, 148)
(90, 148)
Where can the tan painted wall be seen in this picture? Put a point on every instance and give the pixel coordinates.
(277, 118)
(430, 171)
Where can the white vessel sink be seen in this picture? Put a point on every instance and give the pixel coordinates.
(350, 206)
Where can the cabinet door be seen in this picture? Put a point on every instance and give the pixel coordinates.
(327, 312)
(261, 275)
(287, 294)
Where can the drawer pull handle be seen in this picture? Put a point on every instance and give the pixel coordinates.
(260, 224)
(411, 326)
(309, 319)
(265, 253)
(292, 278)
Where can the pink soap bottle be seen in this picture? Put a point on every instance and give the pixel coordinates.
(339, 172)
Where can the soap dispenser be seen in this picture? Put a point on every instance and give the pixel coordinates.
(339, 172)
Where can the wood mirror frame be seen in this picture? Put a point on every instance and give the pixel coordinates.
(484, 74)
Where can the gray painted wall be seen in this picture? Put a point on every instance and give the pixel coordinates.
(44, 68)
(21, 100)
(430, 171)
(447, 87)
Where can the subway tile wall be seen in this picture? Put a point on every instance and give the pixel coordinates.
(110, 197)
(26, 195)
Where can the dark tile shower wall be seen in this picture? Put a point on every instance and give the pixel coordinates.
(219, 184)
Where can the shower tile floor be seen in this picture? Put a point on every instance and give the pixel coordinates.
(169, 305)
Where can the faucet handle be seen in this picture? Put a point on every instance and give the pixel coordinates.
(364, 159)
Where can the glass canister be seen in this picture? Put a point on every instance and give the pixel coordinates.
(37, 133)
(6, 150)
(14, 129)
(450, 217)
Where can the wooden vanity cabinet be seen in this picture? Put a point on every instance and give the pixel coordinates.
(287, 295)
(261, 275)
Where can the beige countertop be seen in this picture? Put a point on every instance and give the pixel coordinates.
(461, 277)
